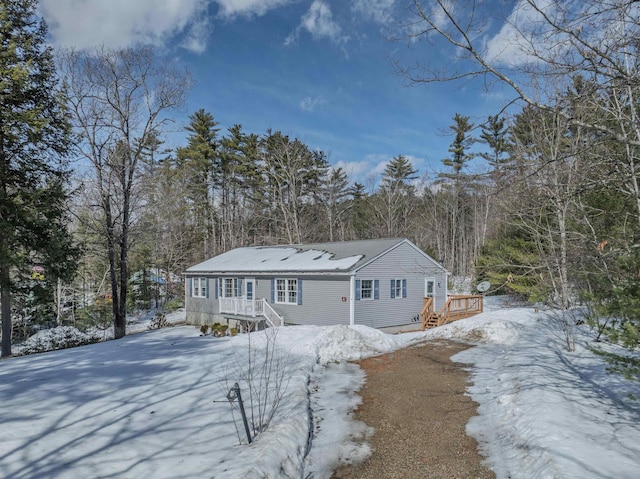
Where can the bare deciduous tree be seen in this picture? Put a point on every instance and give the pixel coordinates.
(117, 99)
(540, 48)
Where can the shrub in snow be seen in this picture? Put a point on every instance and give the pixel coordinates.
(262, 378)
(61, 337)
(158, 321)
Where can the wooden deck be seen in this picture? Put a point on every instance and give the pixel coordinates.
(242, 309)
(458, 306)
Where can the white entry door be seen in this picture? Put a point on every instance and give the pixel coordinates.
(250, 288)
(430, 290)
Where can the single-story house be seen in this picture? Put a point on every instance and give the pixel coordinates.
(379, 283)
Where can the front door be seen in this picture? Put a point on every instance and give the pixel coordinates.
(250, 305)
(430, 290)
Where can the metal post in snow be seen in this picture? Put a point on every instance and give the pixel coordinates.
(234, 393)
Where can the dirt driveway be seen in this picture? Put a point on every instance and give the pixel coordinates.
(414, 399)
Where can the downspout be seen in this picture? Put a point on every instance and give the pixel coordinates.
(352, 300)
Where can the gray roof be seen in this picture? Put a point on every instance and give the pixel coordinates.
(336, 257)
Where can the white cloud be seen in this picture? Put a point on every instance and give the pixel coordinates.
(318, 21)
(379, 11)
(371, 169)
(231, 8)
(196, 39)
(355, 169)
(438, 15)
(511, 46)
(121, 23)
(310, 104)
(368, 169)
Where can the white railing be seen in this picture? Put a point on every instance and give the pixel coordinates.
(238, 306)
(250, 308)
(272, 317)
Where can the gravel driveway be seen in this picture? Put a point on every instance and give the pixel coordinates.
(414, 399)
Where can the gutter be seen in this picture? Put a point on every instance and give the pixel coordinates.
(352, 299)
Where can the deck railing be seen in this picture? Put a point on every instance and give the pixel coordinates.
(427, 314)
(239, 306)
(251, 308)
(458, 306)
(272, 317)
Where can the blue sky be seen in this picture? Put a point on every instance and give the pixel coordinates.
(318, 70)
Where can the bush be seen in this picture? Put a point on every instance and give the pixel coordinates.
(218, 330)
(97, 315)
(159, 321)
(61, 337)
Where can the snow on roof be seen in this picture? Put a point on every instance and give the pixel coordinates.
(319, 257)
(275, 259)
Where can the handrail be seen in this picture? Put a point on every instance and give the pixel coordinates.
(238, 306)
(427, 313)
(250, 308)
(460, 306)
(271, 315)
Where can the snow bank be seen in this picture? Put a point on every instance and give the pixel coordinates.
(154, 404)
(60, 337)
(350, 343)
(545, 412)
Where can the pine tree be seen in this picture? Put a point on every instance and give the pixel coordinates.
(34, 140)
(495, 136)
(200, 165)
(360, 211)
(395, 198)
(459, 148)
(332, 196)
(460, 182)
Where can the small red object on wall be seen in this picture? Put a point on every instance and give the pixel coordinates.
(344, 299)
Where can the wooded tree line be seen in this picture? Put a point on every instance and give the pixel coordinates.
(543, 201)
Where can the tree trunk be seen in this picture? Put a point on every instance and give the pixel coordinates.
(5, 310)
(120, 306)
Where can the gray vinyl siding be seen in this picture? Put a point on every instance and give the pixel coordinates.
(322, 303)
(201, 310)
(322, 295)
(403, 262)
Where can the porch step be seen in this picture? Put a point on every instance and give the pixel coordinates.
(432, 323)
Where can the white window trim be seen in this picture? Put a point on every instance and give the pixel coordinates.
(397, 282)
(373, 292)
(199, 291)
(287, 282)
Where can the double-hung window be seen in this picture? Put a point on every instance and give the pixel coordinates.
(228, 288)
(199, 287)
(398, 288)
(366, 289)
(286, 291)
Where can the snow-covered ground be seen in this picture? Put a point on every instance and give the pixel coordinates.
(154, 404)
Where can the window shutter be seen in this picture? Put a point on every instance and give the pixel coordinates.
(216, 286)
(358, 282)
(190, 286)
(393, 288)
(376, 289)
(299, 290)
(404, 288)
(273, 290)
(239, 292)
(207, 288)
